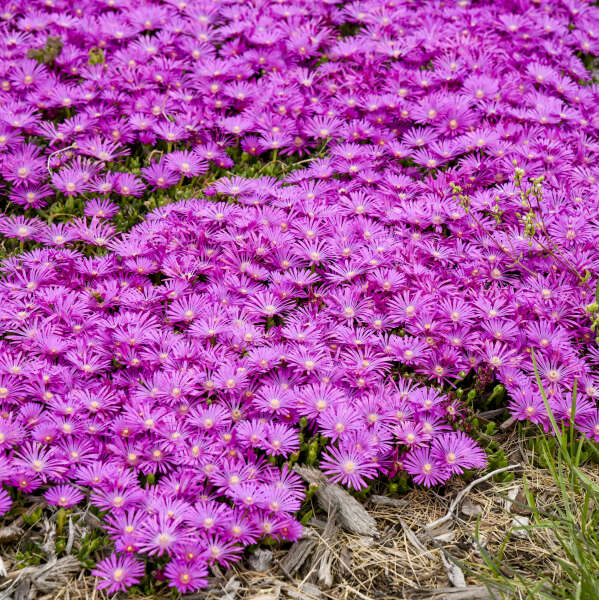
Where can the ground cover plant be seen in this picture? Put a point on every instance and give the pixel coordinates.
(420, 220)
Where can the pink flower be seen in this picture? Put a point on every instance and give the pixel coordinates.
(348, 467)
(118, 572)
(424, 467)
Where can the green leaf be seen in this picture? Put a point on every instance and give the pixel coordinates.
(96, 56)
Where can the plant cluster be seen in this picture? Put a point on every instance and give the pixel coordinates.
(175, 372)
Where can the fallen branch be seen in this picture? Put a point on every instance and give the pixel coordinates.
(324, 562)
(297, 556)
(473, 592)
(60, 567)
(413, 539)
(71, 537)
(350, 513)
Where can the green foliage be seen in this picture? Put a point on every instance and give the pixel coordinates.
(349, 29)
(48, 54)
(96, 56)
(28, 557)
(33, 517)
(90, 544)
(573, 522)
(495, 454)
(592, 309)
(399, 484)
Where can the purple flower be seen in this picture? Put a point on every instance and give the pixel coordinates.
(159, 175)
(440, 228)
(590, 425)
(348, 467)
(424, 467)
(64, 496)
(23, 165)
(118, 572)
(160, 535)
(186, 576)
(100, 208)
(128, 185)
(70, 181)
(5, 502)
(457, 452)
(221, 551)
(185, 164)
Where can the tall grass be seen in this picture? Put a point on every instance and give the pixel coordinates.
(573, 522)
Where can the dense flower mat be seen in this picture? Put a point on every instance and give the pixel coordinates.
(449, 227)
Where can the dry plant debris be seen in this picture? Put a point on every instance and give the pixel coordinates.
(385, 553)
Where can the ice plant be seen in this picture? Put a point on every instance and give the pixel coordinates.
(444, 223)
(117, 573)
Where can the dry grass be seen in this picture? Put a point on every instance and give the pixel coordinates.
(405, 561)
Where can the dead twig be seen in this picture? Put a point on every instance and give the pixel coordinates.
(357, 593)
(473, 592)
(59, 151)
(413, 539)
(71, 538)
(10, 532)
(49, 545)
(456, 501)
(384, 501)
(324, 562)
(507, 424)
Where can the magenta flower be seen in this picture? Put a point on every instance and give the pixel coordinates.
(223, 552)
(590, 425)
(24, 165)
(424, 467)
(118, 572)
(100, 208)
(70, 181)
(186, 576)
(64, 496)
(457, 452)
(185, 164)
(440, 227)
(128, 185)
(5, 502)
(348, 467)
